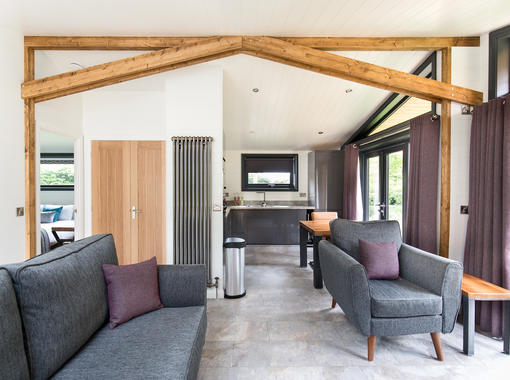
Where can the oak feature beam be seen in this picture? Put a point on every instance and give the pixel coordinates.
(358, 71)
(320, 43)
(30, 162)
(129, 68)
(446, 121)
(382, 43)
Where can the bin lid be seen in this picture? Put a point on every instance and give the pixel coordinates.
(234, 242)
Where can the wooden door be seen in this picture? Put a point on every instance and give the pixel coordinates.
(128, 197)
(148, 196)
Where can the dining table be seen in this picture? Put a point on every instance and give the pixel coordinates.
(319, 230)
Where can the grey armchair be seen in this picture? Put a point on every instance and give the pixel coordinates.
(426, 298)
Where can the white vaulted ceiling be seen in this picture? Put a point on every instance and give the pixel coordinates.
(262, 17)
(292, 105)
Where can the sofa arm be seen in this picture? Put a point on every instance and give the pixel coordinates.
(347, 282)
(182, 285)
(436, 274)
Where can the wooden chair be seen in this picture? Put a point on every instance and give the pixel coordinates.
(324, 215)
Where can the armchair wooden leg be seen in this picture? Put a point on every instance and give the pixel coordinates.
(333, 303)
(436, 339)
(371, 347)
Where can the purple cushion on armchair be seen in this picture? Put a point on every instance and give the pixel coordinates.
(380, 259)
(132, 290)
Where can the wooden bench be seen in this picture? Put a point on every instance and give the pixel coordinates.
(476, 289)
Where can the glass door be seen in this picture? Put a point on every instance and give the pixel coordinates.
(385, 184)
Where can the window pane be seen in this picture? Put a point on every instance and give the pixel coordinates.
(269, 178)
(395, 186)
(57, 174)
(374, 196)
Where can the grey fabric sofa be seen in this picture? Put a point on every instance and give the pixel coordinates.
(426, 298)
(54, 315)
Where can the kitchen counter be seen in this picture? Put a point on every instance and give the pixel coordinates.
(274, 224)
(268, 207)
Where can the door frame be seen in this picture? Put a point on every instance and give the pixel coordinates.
(382, 152)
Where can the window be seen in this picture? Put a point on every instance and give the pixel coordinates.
(499, 62)
(384, 182)
(57, 172)
(269, 172)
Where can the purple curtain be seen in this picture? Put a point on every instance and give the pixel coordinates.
(350, 182)
(487, 253)
(421, 216)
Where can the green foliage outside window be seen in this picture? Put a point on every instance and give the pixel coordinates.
(57, 174)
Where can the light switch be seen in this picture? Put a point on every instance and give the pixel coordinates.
(217, 207)
(464, 210)
(20, 211)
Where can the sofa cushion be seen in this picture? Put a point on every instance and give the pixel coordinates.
(67, 213)
(401, 298)
(47, 216)
(345, 234)
(132, 290)
(163, 344)
(69, 280)
(13, 362)
(57, 210)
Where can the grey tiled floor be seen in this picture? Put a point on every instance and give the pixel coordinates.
(285, 329)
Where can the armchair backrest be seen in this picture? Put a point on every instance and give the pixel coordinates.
(345, 234)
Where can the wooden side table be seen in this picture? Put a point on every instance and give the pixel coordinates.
(476, 289)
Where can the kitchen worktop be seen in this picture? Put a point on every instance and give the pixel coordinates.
(268, 207)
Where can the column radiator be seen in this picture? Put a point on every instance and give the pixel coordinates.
(192, 201)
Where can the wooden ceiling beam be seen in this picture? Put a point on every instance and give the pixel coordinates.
(382, 43)
(129, 77)
(320, 43)
(130, 68)
(358, 71)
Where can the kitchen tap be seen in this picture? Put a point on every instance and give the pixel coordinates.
(264, 204)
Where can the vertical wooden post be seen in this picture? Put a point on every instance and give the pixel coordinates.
(30, 180)
(446, 106)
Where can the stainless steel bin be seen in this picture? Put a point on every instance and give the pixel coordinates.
(233, 267)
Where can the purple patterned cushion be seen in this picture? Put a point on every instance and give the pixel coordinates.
(132, 290)
(380, 259)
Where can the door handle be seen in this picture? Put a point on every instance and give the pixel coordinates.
(134, 211)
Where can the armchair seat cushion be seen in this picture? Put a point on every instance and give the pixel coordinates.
(401, 298)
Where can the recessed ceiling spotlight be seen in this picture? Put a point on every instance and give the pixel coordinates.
(255, 89)
(320, 132)
(252, 132)
(348, 90)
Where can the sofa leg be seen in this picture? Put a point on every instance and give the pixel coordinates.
(371, 347)
(333, 303)
(436, 339)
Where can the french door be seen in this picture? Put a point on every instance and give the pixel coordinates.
(128, 197)
(384, 183)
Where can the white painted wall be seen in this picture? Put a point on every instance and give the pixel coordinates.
(57, 197)
(62, 116)
(469, 69)
(192, 104)
(232, 177)
(118, 115)
(12, 194)
(194, 107)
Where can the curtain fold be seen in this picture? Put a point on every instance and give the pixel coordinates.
(351, 154)
(487, 250)
(421, 215)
